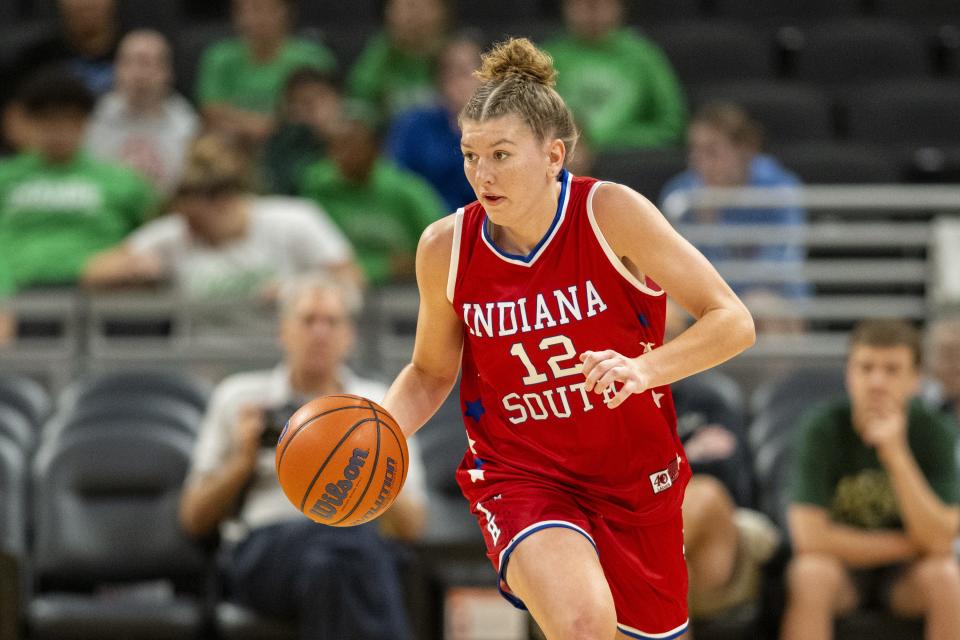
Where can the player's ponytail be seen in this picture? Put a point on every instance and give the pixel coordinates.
(518, 78)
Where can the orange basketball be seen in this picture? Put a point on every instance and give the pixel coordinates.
(342, 460)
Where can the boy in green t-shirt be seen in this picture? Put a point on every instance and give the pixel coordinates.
(58, 206)
(873, 511)
(241, 79)
(381, 208)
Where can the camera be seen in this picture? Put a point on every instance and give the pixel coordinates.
(275, 419)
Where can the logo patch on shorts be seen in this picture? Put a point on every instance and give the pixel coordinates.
(661, 480)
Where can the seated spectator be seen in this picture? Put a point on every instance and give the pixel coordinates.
(381, 208)
(427, 140)
(309, 113)
(142, 123)
(58, 206)
(724, 151)
(84, 42)
(943, 349)
(874, 495)
(394, 72)
(335, 582)
(222, 241)
(240, 79)
(619, 85)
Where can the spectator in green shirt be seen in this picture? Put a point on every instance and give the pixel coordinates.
(395, 71)
(874, 495)
(381, 208)
(309, 113)
(620, 86)
(58, 206)
(240, 79)
(8, 323)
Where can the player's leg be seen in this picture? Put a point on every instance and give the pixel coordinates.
(557, 574)
(930, 588)
(819, 588)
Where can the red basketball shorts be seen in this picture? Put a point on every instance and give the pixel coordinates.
(644, 565)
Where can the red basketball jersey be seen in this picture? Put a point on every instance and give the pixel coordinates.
(526, 320)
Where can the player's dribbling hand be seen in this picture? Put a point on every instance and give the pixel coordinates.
(603, 368)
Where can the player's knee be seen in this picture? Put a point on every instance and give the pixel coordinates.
(938, 574)
(589, 624)
(814, 576)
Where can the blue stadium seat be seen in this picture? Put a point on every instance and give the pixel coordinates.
(826, 162)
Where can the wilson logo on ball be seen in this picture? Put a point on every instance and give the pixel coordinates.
(326, 507)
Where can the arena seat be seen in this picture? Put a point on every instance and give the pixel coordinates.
(789, 112)
(26, 396)
(110, 559)
(857, 51)
(778, 406)
(929, 11)
(13, 482)
(649, 12)
(329, 15)
(780, 11)
(712, 51)
(15, 427)
(489, 12)
(824, 162)
(136, 383)
(133, 412)
(646, 170)
(914, 113)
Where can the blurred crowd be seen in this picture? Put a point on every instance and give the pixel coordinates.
(283, 161)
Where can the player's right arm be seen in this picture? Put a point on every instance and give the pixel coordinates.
(423, 384)
(812, 531)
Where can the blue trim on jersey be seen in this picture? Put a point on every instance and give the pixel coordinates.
(502, 574)
(556, 219)
(682, 630)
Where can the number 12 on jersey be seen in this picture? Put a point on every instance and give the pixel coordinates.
(556, 362)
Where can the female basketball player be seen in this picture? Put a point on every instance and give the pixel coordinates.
(549, 292)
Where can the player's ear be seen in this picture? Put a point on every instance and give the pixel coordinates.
(556, 155)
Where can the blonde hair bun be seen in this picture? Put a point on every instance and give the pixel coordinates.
(517, 57)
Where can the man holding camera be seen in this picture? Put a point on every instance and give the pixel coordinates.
(337, 583)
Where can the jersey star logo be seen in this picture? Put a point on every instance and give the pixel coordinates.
(647, 346)
(656, 398)
(475, 474)
(470, 443)
(474, 409)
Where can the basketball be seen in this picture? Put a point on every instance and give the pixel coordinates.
(341, 460)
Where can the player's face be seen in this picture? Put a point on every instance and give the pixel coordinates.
(717, 158)
(317, 333)
(510, 170)
(880, 377)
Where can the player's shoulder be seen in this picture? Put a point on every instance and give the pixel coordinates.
(436, 240)
(615, 206)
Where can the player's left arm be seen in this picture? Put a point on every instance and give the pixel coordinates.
(648, 246)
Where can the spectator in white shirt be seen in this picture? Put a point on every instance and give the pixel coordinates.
(143, 123)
